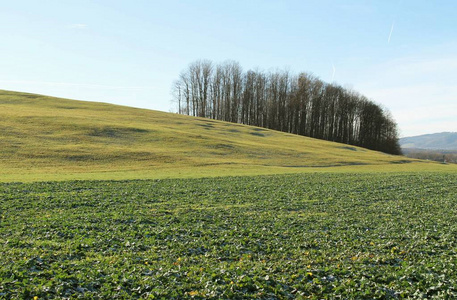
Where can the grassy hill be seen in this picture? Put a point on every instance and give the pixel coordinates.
(46, 138)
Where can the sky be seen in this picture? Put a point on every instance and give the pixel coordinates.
(402, 54)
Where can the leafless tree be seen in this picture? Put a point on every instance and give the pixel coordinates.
(301, 104)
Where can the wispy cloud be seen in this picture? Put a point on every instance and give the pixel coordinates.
(78, 26)
(78, 85)
(420, 91)
(419, 108)
(357, 8)
(427, 119)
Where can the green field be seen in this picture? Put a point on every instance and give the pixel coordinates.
(308, 236)
(99, 201)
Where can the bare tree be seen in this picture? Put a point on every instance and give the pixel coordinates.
(300, 104)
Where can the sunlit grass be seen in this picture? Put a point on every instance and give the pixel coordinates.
(45, 138)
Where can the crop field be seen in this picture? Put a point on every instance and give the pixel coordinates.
(306, 236)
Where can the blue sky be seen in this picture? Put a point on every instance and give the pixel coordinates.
(400, 54)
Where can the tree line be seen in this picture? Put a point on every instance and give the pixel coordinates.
(300, 104)
(444, 156)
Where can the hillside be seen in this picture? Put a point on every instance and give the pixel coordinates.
(46, 138)
(435, 141)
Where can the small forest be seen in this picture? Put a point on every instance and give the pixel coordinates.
(300, 104)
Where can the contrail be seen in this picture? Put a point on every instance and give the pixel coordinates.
(393, 22)
(334, 71)
(391, 30)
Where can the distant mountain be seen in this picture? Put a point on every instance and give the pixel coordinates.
(435, 141)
